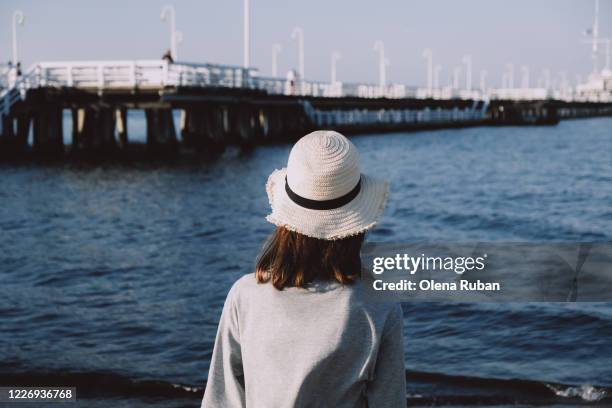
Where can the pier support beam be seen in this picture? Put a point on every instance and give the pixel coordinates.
(48, 131)
(7, 136)
(286, 123)
(246, 129)
(8, 131)
(23, 132)
(161, 134)
(202, 129)
(93, 130)
(14, 139)
(121, 119)
(274, 124)
(78, 121)
(193, 128)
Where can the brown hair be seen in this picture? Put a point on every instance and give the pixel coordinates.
(293, 259)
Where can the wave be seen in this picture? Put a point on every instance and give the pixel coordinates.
(424, 388)
(584, 392)
(442, 389)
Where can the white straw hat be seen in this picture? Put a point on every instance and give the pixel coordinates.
(322, 193)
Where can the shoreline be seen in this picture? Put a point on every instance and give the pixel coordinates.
(424, 389)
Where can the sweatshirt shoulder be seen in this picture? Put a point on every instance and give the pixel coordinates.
(245, 282)
(243, 285)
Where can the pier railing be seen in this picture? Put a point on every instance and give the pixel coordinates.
(154, 74)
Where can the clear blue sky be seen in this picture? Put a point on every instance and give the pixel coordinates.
(538, 33)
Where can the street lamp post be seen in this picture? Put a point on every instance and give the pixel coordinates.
(608, 50)
(379, 47)
(546, 75)
(428, 54)
(168, 13)
(18, 19)
(563, 81)
(246, 46)
(510, 68)
(456, 73)
(595, 34)
(467, 60)
(335, 56)
(483, 81)
(298, 33)
(504, 80)
(276, 49)
(525, 77)
(436, 78)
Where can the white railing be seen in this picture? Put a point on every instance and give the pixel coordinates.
(137, 74)
(6, 73)
(103, 75)
(15, 92)
(159, 73)
(153, 74)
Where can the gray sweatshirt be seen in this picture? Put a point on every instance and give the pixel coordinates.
(316, 347)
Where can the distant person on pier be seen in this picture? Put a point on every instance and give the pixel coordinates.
(18, 69)
(168, 57)
(298, 332)
(11, 75)
(290, 83)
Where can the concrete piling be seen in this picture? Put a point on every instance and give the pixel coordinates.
(48, 131)
(94, 130)
(203, 128)
(194, 128)
(14, 136)
(8, 129)
(245, 129)
(121, 122)
(161, 133)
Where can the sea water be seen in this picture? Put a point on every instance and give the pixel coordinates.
(113, 276)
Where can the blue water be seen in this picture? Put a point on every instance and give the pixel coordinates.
(115, 274)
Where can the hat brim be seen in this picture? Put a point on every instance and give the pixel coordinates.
(359, 215)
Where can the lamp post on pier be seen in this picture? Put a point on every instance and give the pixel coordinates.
(504, 80)
(298, 33)
(456, 73)
(525, 77)
(436, 78)
(608, 50)
(428, 54)
(246, 33)
(276, 49)
(546, 76)
(168, 13)
(467, 60)
(510, 68)
(483, 81)
(563, 86)
(595, 37)
(18, 19)
(335, 56)
(379, 47)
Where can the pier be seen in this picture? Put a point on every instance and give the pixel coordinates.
(227, 105)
